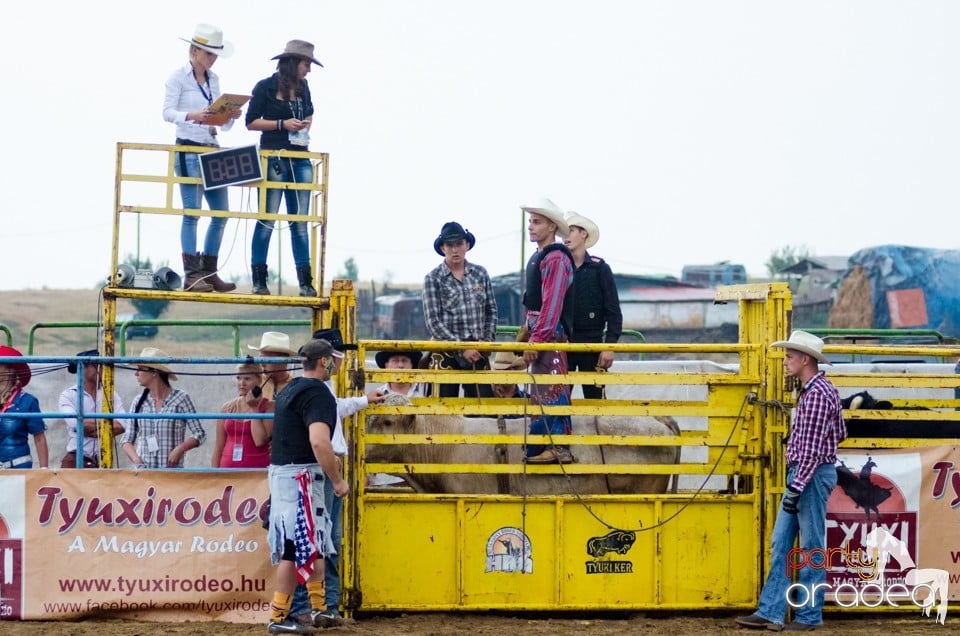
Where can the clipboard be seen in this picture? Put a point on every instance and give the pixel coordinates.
(220, 109)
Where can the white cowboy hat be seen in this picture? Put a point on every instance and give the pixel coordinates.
(593, 232)
(507, 361)
(210, 38)
(804, 343)
(153, 352)
(548, 209)
(274, 342)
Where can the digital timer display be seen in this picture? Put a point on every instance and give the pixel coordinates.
(231, 166)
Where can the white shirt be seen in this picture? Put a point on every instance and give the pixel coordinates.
(68, 406)
(345, 408)
(183, 95)
(415, 390)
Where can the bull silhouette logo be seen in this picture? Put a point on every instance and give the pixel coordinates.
(861, 489)
(619, 541)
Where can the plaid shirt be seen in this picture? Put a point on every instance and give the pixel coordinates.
(818, 428)
(455, 310)
(169, 433)
(556, 274)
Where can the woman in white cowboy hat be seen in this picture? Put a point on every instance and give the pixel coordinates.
(15, 432)
(160, 442)
(281, 110)
(190, 90)
(596, 312)
(244, 443)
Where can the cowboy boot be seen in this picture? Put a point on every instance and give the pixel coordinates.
(193, 275)
(305, 277)
(210, 268)
(259, 277)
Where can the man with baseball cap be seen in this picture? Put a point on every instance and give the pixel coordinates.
(92, 403)
(817, 428)
(548, 300)
(301, 461)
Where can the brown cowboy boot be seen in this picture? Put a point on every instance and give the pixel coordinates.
(210, 268)
(193, 274)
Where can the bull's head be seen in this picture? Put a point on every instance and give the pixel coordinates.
(389, 423)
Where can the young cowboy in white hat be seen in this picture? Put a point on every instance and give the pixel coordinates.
(596, 315)
(816, 430)
(548, 301)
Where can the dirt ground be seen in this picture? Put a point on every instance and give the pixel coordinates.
(481, 624)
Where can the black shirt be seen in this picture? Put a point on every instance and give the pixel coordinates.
(264, 104)
(302, 402)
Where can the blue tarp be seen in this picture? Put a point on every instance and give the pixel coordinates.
(900, 267)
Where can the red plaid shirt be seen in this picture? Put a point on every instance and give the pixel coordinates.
(818, 428)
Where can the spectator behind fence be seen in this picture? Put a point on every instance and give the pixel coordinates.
(274, 344)
(160, 442)
(400, 360)
(92, 403)
(15, 432)
(244, 443)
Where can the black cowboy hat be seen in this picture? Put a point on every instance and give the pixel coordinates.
(453, 231)
(89, 353)
(334, 337)
(383, 356)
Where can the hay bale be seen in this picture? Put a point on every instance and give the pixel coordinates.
(853, 308)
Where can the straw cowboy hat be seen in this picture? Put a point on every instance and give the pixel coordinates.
(22, 369)
(453, 231)
(274, 342)
(804, 343)
(507, 361)
(383, 357)
(210, 39)
(593, 232)
(298, 48)
(251, 368)
(548, 209)
(153, 352)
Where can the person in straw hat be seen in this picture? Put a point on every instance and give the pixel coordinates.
(549, 303)
(596, 313)
(276, 375)
(244, 443)
(160, 442)
(811, 455)
(459, 304)
(92, 403)
(190, 91)
(15, 432)
(508, 361)
(281, 110)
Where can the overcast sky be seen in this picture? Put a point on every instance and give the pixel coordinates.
(691, 132)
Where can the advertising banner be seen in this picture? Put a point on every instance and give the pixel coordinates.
(148, 545)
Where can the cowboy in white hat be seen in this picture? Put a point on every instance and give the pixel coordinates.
(548, 301)
(188, 95)
(161, 442)
(597, 316)
(459, 304)
(276, 375)
(816, 430)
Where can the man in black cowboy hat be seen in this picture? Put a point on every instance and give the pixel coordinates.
(400, 360)
(459, 304)
(92, 403)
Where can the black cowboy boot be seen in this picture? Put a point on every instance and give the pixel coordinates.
(305, 277)
(259, 277)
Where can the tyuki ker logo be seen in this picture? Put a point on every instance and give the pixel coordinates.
(924, 587)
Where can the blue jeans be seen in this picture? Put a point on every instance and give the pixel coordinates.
(298, 202)
(334, 506)
(811, 524)
(331, 575)
(191, 195)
